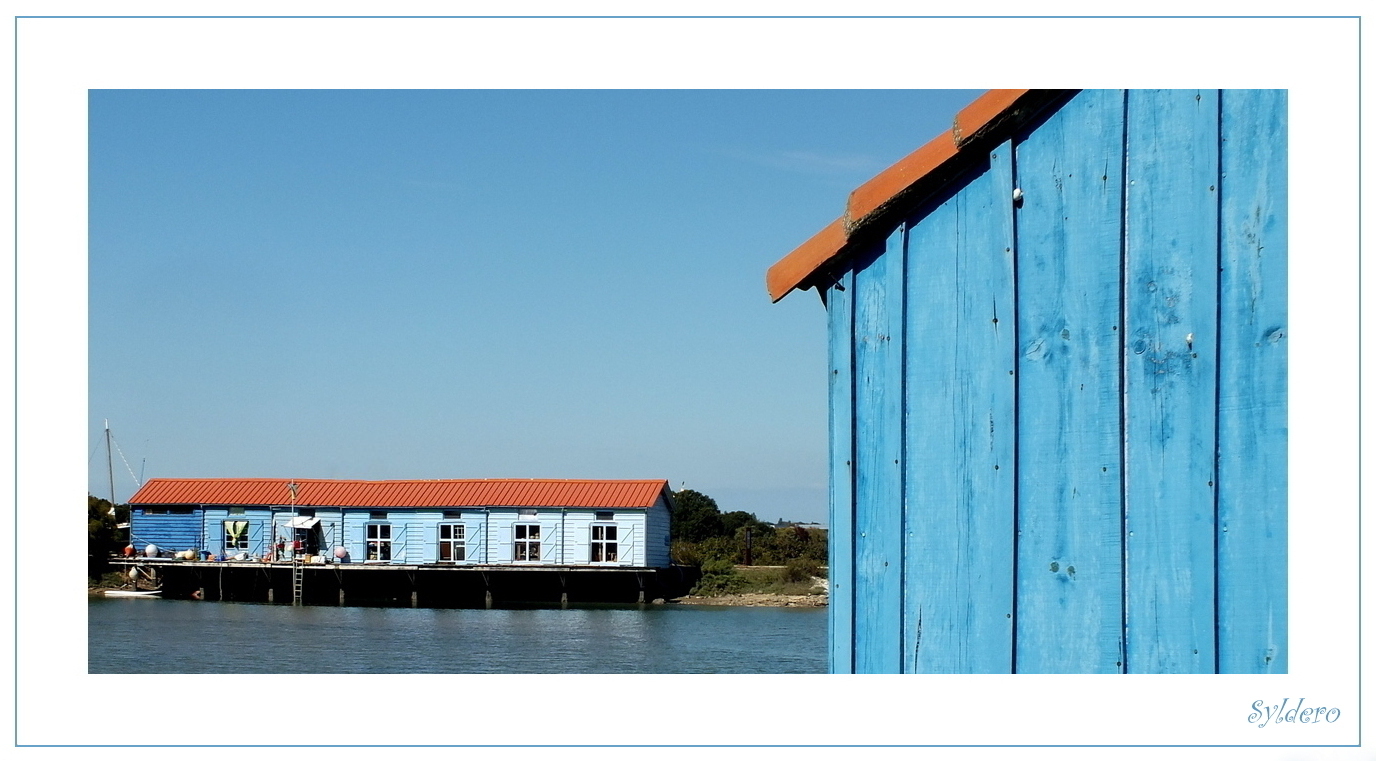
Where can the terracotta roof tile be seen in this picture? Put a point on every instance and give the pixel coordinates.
(918, 173)
(806, 259)
(886, 186)
(495, 492)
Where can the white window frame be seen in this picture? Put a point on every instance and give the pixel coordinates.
(374, 539)
(457, 543)
(525, 543)
(599, 543)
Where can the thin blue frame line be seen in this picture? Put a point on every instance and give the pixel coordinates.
(1359, 375)
(14, 529)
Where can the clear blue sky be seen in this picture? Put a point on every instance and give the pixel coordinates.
(473, 284)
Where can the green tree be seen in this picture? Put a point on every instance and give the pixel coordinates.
(702, 533)
(102, 535)
(736, 520)
(695, 517)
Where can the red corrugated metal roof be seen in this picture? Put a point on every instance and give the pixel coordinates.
(493, 492)
(920, 172)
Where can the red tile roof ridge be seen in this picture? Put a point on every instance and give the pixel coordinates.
(457, 492)
(907, 181)
(261, 479)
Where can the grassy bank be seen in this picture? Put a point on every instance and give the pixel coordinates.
(790, 586)
(798, 577)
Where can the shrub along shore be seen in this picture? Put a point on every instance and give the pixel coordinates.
(799, 584)
(745, 561)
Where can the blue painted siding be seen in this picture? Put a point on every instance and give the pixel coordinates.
(1058, 426)
(657, 536)
(169, 531)
(630, 551)
(959, 401)
(1254, 330)
(354, 535)
(259, 529)
(878, 356)
(841, 427)
(1070, 440)
(331, 529)
(1169, 376)
(565, 533)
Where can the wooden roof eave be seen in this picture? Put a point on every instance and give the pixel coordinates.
(896, 191)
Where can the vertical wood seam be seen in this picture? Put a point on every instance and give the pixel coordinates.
(1123, 394)
(902, 439)
(1218, 360)
(849, 319)
(1017, 385)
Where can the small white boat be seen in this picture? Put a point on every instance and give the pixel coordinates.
(154, 593)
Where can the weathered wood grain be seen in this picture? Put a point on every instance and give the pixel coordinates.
(1096, 481)
(1070, 227)
(878, 351)
(1170, 358)
(841, 534)
(1254, 335)
(960, 433)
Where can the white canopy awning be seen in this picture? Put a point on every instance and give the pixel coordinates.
(304, 521)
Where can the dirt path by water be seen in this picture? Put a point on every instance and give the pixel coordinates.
(817, 598)
(758, 599)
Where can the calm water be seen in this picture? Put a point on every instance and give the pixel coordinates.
(185, 637)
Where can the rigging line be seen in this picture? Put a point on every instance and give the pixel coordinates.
(94, 449)
(126, 462)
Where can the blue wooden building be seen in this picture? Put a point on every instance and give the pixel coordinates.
(476, 522)
(1058, 339)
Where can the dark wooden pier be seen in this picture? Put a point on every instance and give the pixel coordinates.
(440, 586)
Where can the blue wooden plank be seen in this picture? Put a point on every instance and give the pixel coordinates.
(878, 442)
(960, 429)
(257, 529)
(1252, 482)
(1170, 363)
(169, 531)
(1069, 617)
(841, 534)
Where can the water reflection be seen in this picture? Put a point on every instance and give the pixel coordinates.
(181, 637)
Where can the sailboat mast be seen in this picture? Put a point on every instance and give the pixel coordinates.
(110, 470)
(110, 464)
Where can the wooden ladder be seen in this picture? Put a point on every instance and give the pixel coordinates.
(298, 571)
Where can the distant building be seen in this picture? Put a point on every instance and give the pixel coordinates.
(509, 522)
(796, 524)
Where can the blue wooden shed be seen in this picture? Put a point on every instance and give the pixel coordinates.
(1058, 347)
